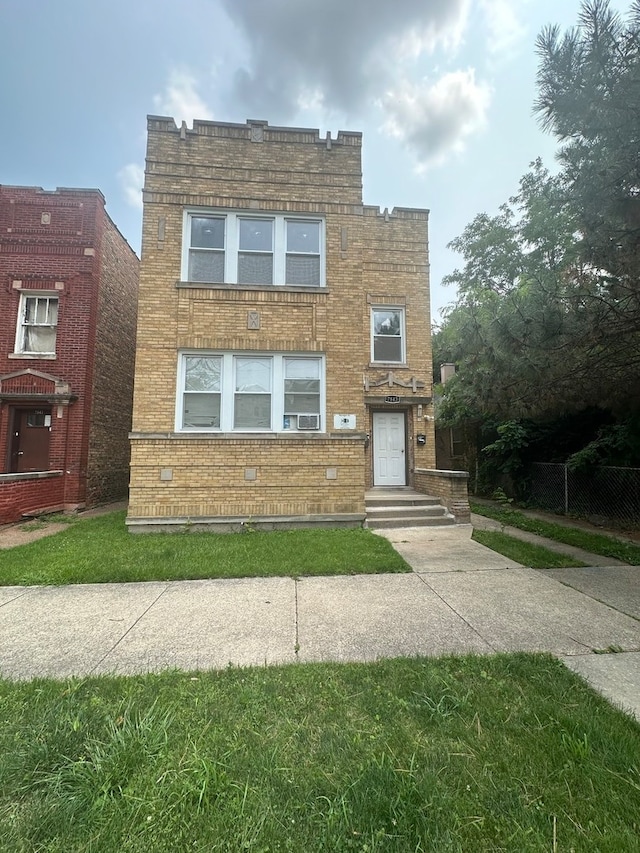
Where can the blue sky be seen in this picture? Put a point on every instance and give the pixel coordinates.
(441, 89)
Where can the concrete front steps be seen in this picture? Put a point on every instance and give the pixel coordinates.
(402, 507)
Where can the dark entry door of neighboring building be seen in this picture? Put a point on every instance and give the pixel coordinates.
(30, 440)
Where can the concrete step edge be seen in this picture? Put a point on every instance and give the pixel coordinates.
(439, 521)
(417, 512)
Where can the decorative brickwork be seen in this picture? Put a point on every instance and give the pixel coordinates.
(61, 246)
(371, 258)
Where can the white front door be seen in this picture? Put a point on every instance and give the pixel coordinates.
(388, 449)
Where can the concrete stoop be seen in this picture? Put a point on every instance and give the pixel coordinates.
(388, 508)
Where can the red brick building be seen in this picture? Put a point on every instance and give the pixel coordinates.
(68, 301)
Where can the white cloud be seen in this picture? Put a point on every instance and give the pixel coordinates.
(131, 179)
(181, 100)
(432, 33)
(434, 120)
(347, 50)
(505, 30)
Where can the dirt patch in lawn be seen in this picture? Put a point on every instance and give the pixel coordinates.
(23, 532)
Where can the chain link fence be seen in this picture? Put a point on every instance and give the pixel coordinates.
(604, 495)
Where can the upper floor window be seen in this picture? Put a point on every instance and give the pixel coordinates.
(387, 335)
(37, 324)
(239, 248)
(247, 392)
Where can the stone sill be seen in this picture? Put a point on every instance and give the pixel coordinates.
(33, 356)
(392, 365)
(271, 288)
(451, 475)
(29, 475)
(313, 435)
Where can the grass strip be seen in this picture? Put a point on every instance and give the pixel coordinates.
(525, 553)
(511, 752)
(101, 550)
(594, 543)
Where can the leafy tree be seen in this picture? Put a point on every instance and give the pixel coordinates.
(589, 98)
(547, 319)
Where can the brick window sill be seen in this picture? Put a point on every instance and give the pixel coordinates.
(33, 356)
(390, 365)
(273, 288)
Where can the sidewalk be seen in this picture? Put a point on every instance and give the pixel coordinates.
(460, 598)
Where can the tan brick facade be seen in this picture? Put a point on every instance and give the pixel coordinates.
(371, 259)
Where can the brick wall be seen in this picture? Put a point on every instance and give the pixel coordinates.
(52, 242)
(23, 494)
(396, 273)
(112, 385)
(254, 168)
(230, 476)
(451, 487)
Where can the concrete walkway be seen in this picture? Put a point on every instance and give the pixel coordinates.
(460, 598)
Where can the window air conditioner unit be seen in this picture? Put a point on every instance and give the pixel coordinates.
(308, 421)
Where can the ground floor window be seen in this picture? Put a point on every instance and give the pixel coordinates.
(250, 392)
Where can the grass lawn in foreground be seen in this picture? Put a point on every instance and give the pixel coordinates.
(595, 543)
(525, 553)
(101, 550)
(504, 753)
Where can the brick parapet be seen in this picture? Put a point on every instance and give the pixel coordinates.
(235, 130)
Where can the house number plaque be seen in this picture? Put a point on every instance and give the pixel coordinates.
(392, 398)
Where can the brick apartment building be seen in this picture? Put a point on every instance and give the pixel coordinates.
(68, 294)
(284, 351)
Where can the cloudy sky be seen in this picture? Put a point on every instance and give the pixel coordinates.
(441, 89)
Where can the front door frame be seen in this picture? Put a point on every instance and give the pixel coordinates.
(403, 472)
(18, 423)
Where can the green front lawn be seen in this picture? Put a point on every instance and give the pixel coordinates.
(505, 753)
(525, 553)
(101, 550)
